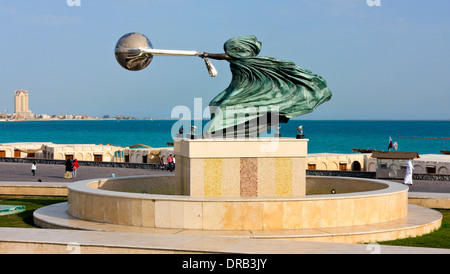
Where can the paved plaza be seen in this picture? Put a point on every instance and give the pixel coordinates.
(21, 172)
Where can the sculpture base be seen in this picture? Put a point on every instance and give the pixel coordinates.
(259, 167)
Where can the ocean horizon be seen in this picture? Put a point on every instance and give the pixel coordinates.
(332, 136)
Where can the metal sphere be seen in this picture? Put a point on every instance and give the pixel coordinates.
(128, 54)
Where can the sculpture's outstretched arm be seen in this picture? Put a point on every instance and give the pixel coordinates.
(217, 56)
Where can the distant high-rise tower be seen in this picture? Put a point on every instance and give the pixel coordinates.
(21, 104)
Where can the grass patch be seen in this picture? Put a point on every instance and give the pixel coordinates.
(25, 219)
(437, 239)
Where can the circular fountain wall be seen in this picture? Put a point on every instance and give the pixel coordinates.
(154, 201)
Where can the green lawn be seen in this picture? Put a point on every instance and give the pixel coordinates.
(25, 219)
(437, 239)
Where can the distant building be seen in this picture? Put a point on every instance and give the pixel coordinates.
(434, 164)
(21, 110)
(85, 152)
(336, 161)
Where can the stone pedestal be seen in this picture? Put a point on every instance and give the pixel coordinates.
(260, 167)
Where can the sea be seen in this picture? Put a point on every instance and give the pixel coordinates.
(325, 136)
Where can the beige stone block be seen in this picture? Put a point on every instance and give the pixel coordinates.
(375, 206)
(404, 201)
(232, 216)
(48, 248)
(360, 218)
(162, 214)
(124, 209)
(231, 177)
(293, 215)
(176, 212)
(212, 215)
(298, 176)
(345, 208)
(136, 212)
(328, 212)
(89, 207)
(98, 209)
(400, 201)
(273, 215)
(72, 203)
(311, 214)
(266, 177)
(196, 177)
(21, 248)
(393, 205)
(148, 213)
(80, 205)
(252, 216)
(111, 211)
(193, 215)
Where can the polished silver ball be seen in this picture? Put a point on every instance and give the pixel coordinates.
(128, 52)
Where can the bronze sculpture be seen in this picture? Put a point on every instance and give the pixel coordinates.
(264, 91)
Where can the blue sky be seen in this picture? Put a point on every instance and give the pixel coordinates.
(382, 62)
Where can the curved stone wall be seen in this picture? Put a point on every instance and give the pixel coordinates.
(325, 185)
(112, 201)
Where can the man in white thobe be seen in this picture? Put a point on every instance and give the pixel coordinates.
(409, 172)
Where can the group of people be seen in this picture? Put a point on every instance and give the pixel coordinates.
(71, 169)
(170, 163)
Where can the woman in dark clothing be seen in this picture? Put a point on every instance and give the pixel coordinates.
(69, 169)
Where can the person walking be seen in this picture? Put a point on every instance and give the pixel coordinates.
(75, 168)
(409, 173)
(170, 162)
(33, 168)
(161, 163)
